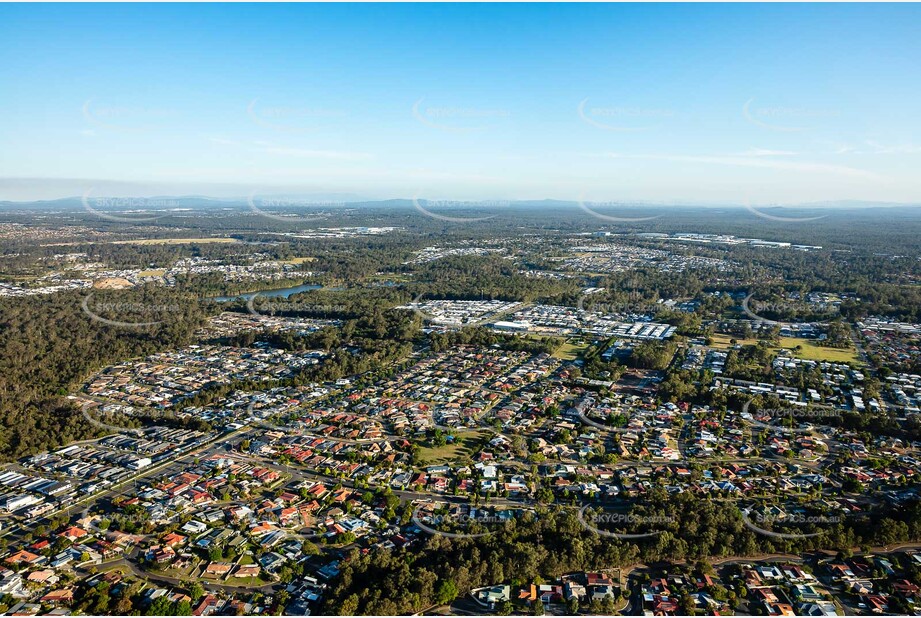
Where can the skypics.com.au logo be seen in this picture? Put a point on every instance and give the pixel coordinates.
(126, 118)
(106, 419)
(457, 119)
(123, 419)
(288, 210)
(264, 307)
(780, 218)
(463, 523)
(621, 118)
(787, 418)
(595, 208)
(628, 302)
(615, 524)
(592, 423)
(130, 210)
(769, 524)
(291, 118)
(750, 305)
(785, 119)
(126, 314)
(439, 311)
(461, 211)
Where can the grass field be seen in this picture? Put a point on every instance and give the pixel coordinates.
(299, 260)
(809, 349)
(570, 351)
(466, 444)
(156, 272)
(174, 241)
(723, 342)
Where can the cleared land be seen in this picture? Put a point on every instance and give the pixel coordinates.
(465, 444)
(722, 341)
(173, 241)
(156, 272)
(299, 260)
(809, 348)
(811, 351)
(570, 350)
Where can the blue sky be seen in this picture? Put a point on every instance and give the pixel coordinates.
(691, 102)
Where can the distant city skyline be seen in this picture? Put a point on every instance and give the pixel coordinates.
(665, 103)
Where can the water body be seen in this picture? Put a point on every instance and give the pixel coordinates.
(277, 293)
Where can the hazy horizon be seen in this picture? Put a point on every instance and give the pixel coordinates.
(307, 198)
(789, 103)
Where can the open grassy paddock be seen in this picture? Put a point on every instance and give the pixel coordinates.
(466, 444)
(570, 350)
(809, 348)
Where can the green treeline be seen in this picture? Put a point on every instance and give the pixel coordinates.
(50, 344)
(545, 545)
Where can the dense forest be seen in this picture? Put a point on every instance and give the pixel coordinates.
(546, 544)
(49, 344)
